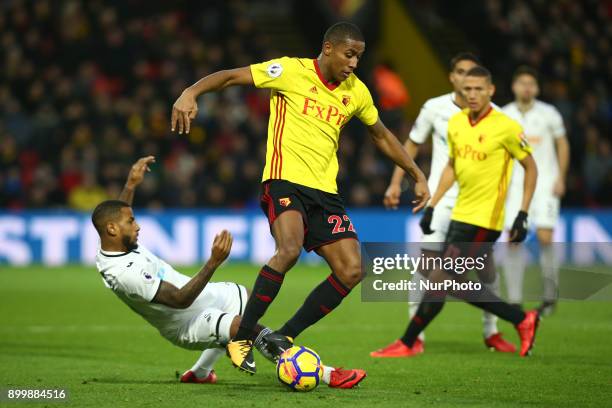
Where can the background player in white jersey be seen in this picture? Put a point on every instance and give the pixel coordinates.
(433, 121)
(191, 313)
(543, 126)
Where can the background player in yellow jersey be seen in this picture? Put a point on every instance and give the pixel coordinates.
(310, 102)
(433, 121)
(482, 145)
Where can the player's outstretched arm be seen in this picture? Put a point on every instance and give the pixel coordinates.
(391, 147)
(447, 179)
(392, 195)
(135, 177)
(185, 108)
(182, 298)
(563, 156)
(529, 182)
(518, 232)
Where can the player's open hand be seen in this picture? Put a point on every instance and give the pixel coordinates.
(138, 170)
(421, 192)
(221, 247)
(184, 111)
(392, 196)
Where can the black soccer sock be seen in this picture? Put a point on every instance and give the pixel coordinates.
(430, 306)
(502, 310)
(490, 302)
(322, 300)
(267, 285)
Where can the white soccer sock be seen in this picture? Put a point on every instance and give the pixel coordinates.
(327, 374)
(550, 272)
(206, 362)
(489, 320)
(514, 271)
(416, 296)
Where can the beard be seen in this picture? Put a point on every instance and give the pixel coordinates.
(128, 243)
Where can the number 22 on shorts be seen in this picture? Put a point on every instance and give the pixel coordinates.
(337, 221)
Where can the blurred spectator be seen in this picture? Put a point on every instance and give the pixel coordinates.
(392, 96)
(87, 194)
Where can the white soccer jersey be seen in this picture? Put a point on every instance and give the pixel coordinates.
(433, 120)
(135, 278)
(542, 125)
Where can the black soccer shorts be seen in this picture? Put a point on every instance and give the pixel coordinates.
(464, 239)
(325, 219)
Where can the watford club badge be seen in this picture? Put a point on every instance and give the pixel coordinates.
(346, 100)
(285, 202)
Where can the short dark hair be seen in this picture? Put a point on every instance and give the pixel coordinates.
(525, 70)
(480, 72)
(106, 211)
(463, 56)
(343, 31)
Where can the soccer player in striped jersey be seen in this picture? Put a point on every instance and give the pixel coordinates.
(545, 132)
(433, 122)
(482, 142)
(310, 102)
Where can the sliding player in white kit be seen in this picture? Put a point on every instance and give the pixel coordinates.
(191, 313)
(433, 121)
(545, 132)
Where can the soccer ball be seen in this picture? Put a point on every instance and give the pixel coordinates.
(300, 368)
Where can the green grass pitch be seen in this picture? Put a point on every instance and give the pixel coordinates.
(60, 327)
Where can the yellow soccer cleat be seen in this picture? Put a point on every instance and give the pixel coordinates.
(240, 353)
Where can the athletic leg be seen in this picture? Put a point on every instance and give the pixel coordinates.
(288, 232)
(514, 271)
(550, 270)
(344, 258)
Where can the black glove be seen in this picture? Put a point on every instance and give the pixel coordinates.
(519, 228)
(425, 222)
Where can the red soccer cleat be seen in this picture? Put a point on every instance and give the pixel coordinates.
(527, 331)
(341, 378)
(399, 349)
(190, 377)
(496, 342)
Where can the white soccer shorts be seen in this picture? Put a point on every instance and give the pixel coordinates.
(543, 212)
(211, 328)
(439, 224)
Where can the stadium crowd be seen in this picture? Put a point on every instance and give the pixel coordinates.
(87, 86)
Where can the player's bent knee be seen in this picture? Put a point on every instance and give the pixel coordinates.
(349, 274)
(288, 254)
